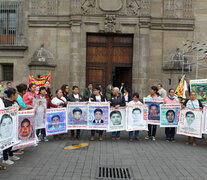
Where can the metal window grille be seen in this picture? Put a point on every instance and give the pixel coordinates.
(7, 70)
(11, 22)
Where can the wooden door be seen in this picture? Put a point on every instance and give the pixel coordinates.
(106, 53)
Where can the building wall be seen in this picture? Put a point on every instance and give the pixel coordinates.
(157, 27)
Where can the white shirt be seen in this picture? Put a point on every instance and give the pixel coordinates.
(98, 98)
(57, 101)
(1, 104)
(126, 97)
(76, 96)
(193, 104)
(134, 103)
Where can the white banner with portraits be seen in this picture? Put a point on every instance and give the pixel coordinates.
(40, 108)
(8, 128)
(190, 123)
(137, 117)
(169, 115)
(56, 121)
(77, 115)
(98, 115)
(154, 109)
(117, 120)
(26, 129)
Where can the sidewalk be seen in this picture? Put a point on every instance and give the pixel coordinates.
(147, 159)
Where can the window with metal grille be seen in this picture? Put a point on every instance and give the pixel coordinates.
(7, 72)
(10, 22)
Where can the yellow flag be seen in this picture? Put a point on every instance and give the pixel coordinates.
(180, 89)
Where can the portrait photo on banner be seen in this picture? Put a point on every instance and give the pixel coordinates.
(77, 115)
(169, 115)
(40, 108)
(137, 117)
(190, 123)
(26, 129)
(98, 115)
(117, 120)
(8, 128)
(153, 110)
(56, 121)
(200, 88)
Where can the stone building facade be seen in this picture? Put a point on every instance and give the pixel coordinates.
(52, 35)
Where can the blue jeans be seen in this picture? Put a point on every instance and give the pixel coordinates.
(116, 133)
(100, 132)
(131, 134)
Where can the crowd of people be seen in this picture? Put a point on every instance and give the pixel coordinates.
(24, 95)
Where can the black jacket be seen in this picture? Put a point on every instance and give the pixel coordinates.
(72, 98)
(118, 100)
(93, 98)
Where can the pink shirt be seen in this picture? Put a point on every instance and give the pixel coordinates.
(167, 100)
(27, 96)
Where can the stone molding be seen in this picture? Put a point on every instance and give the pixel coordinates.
(110, 22)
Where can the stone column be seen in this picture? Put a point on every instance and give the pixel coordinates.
(76, 69)
(143, 67)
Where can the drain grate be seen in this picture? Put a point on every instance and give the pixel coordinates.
(113, 172)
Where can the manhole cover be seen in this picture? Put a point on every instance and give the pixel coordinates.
(114, 172)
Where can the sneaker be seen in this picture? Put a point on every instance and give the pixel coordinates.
(14, 158)
(168, 139)
(117, 137)
(45, 139)
(92, 138)
(8, 162)
(173, 140)
(19, 152)
(100, 138)
(138, 139)
(153, 138)
(147, 137)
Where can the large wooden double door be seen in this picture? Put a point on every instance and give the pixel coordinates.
(109, 58)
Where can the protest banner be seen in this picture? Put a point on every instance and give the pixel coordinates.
(26, 129)
(153, 109)
(169, 115)
(200, 88)
(117, 120)
(137, 117)
(77, 115)
(205, 119)
(56, 121)
(8, 128)
(98, 115)
(39, 81)
(40, 108)
(190, 123)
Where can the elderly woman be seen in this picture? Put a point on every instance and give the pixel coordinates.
(117, 100)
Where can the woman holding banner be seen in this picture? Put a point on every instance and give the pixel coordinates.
(117, 100)
(192, 103)
(9, 101)
(152, 128)
(30, 95)
(170, 99)
(97, 97)
(59, 101)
